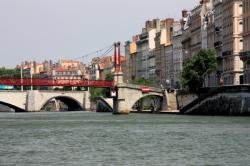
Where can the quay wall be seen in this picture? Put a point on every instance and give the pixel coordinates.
(225, 100)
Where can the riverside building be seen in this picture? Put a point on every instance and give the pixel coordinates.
(246, 40)
(232, 34)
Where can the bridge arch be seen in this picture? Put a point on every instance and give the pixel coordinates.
(108, 102)
(14, 99)
(16, 108)
(151, 100)
(70, 102)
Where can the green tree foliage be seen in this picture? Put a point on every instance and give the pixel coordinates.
(109, 77)
(97, 92)
(197, 67)
(143, 81)
(14, 73)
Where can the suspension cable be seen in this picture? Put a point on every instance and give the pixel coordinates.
(94, 52)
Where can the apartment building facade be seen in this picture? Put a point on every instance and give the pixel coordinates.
(246, 40)
(140, 52)
(186, 34)
(218, 39)
(177, 54)
(195, 29)
(232, 34)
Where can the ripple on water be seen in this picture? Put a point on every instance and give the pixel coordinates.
(78, 138)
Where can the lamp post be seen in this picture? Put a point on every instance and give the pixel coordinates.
(21, 76)
(31, 66)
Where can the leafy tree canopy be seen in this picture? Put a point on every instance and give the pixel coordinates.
(109, 77)
(10, 72)
(197, 67)
(143, 81)
(97, 92)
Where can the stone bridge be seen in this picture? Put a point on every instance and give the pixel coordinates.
(129, 94)
(32, 101)
(126, 97)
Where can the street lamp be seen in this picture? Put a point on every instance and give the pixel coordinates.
(21, 76)
(31, 66)
(168, 82)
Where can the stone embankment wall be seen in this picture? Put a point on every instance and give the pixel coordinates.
(172, 102)
(223, 104)
(184, 98)
(226, 100)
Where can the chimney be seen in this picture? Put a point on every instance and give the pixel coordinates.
(134, 38)
(184, 13)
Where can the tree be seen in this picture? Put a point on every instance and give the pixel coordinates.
(143, 81)
(97, 92)
(13, 73)
(109, 77)
(197, 67)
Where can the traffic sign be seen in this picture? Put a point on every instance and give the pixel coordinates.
(145, 89)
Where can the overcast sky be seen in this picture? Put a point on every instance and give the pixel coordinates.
(54, 29)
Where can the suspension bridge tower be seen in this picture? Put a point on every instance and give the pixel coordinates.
(118, 74)
(118, 100)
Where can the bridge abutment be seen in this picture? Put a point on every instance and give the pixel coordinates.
(165, 101)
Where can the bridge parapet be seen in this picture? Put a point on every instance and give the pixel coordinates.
(138, 87)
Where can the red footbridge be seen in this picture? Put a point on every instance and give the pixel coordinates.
(55, 82)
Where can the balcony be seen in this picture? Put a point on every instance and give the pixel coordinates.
(226, 53)
(217, 44)
(244, 55)
(143, 36)
(219, 58)
(217, 30)
(151, 56)
(217, 2)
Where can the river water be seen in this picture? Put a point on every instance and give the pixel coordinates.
(82, 138)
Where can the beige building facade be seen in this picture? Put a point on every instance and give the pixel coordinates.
(195, 28)
(232, 34)
(246, 40)
(191, 37)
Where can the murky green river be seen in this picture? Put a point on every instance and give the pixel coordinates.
(80, 138)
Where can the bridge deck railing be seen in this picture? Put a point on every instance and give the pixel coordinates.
(55, 82)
